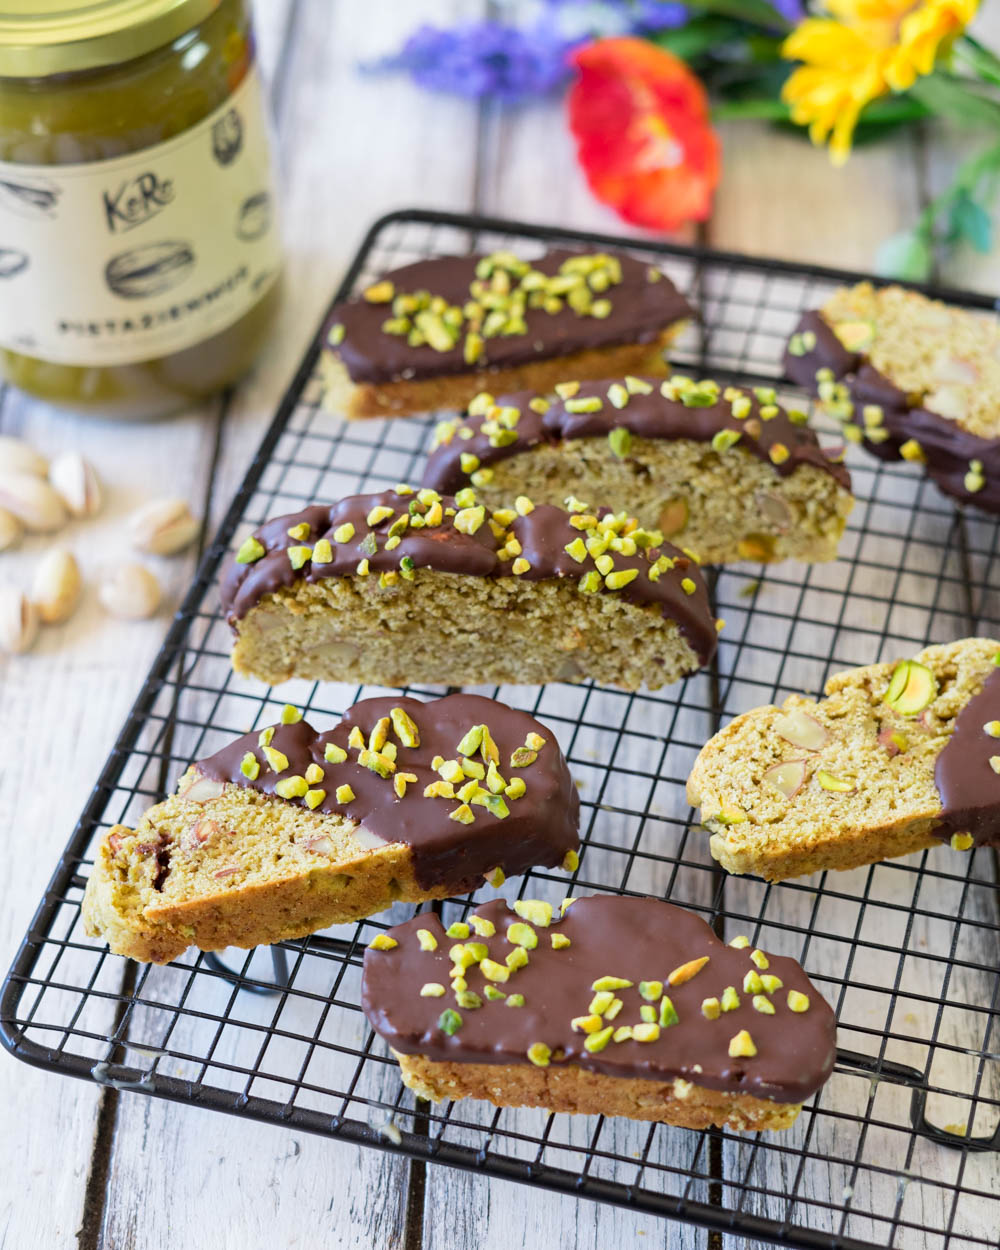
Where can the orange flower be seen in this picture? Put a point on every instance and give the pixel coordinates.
(640, 118)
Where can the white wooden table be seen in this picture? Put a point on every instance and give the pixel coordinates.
(85, 1168)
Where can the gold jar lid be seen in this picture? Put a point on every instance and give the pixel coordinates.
(42, 37)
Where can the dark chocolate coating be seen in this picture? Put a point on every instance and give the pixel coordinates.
(947, 447)
(633, 938)
(543, 535)
(542, 826)
(649, 416)
(966, 782)
(640, 311)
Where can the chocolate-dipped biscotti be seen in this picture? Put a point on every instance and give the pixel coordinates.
(287, 830)
(414, 587)
(433, 334)
(912, 379)
(608, 1006)
(725, 471)
(896, 758)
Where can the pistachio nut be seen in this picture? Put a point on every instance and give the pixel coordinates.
(129, 592)
(18, 621)
(56, 588)
(73, 479)
(10, 529)
(17, 457)
(163, 527)
(33, 501)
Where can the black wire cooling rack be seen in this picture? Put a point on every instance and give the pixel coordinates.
(899, 1149)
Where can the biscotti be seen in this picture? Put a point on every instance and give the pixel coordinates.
(287, 831)
(912, 379)
(725, 471)
(432, 334)
(896, 758)
(410, 586)
(606, 1006)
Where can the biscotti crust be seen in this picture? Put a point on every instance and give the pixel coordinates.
(577, 1091)
(895, 805)
(431, 631)
(410, 397)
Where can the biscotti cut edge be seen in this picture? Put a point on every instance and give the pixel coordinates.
(578, 1091)
(410, 397)
(724, 779)
(121, 907)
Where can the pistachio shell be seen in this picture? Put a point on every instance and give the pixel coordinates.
(16, 456)
(10, 529)
(77, 485)
(33, 501)
(55, 590)
(130, 592)
(163, 527)
(18, 621)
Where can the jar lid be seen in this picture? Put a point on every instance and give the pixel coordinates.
(42, 37)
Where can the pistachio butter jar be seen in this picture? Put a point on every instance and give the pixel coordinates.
(140, 252)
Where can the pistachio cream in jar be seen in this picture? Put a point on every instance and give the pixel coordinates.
(139, 244)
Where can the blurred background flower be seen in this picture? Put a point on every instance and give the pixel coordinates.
(641, 74)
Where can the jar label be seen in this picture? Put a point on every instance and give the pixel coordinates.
(135, 258)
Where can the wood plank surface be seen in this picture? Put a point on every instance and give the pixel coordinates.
(351, 147)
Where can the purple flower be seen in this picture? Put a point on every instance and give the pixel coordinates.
(484, 59)
(621, 17)
(792, 10)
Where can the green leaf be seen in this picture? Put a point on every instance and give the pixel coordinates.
(757, 11)
(970, 221)
(759, 109)
(907, 256)
(698, 36)
(956, 98)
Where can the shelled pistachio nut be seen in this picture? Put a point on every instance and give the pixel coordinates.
(16, 456)
(18, 621)
(33, 501)
(163, 527)
(56, 588)
(10, 529)
(129, 592)
(73, 479)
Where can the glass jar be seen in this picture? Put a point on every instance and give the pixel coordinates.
(139, 244)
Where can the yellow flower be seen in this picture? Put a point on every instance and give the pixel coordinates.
(864, 50)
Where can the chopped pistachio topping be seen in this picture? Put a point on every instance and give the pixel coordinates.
(688, 586)
(382, 942)
(293, 787)
(566, 390)
(686, 971)
(647, 1012)
(493, 995)
(620, 442)
(571, 861)
(646, 1032)
(458, 929)
(611, 983)
(449, 1021)
(250, 766)
(591, 404)
(344, 794)
(432, 989)
(711, 1008)
(495, 877)
(334, 754)
(798, 1001)
(668, 1013)
(760, 959)
(621, 578)
(336, 335)
(763, 1004)
(250, 551)
(277, 759)
(535, 911)
(522, 935)
(515, 1000)
(771, 983)
(405, 728)
(740, 942)
(730, 999)
(539, 1054)
(493, 971)
(559, 941)
(601, 1002)
(463, 814)
(962, 841)
(637, 386)
(290, 715)
(723, 440)
(618, 395)
(517, 958)
(427, 940)
(651, 990)
(742, 1046)
(596, 1042)
(314, 798)
(752, 984)
(297, 556)
(520, 566)
(266, 736)
(322, 552)
(586, 1024)
(482, 926)
(523, 757)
